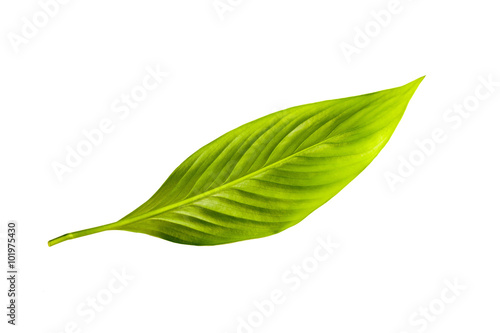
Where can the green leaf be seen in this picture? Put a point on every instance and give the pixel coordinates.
(267, 175)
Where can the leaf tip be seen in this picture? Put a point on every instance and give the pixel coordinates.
(417, 82)
(411, 87)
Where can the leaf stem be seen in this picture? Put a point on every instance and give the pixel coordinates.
(81, 233)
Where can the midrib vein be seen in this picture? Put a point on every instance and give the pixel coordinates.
(220, 188)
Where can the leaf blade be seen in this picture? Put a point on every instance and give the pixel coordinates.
(269, 174)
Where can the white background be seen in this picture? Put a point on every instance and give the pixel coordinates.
(398, 247)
